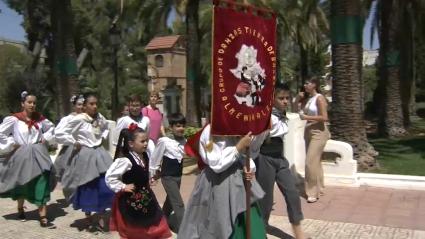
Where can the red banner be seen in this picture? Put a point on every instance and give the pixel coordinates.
(244, 71)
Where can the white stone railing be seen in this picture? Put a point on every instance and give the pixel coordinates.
(341, 171)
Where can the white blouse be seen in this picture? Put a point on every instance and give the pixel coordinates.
(85, 130)
(63, 122)
(168, 147)
(278, 129)
(14, 131)
(125, 121)
(118, 168)
(222, 153)
(143, 123)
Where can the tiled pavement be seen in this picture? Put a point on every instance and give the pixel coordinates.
(364, 212)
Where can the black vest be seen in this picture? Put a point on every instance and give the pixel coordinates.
(171, 167)
(137, 174)
(272, 147)
(141, 207)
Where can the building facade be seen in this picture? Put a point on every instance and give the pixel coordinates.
(166, 57)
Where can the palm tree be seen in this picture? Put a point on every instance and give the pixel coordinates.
(399, 25)
(391, 119)
(347, 122)
(302, 22)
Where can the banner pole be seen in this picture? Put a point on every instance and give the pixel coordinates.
(248, 197)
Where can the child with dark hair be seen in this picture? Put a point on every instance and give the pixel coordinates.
(83, 179)
(167, 163)
(26, 167)
(135, 211)
(273, 167)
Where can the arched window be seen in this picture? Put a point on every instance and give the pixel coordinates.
(159, 61)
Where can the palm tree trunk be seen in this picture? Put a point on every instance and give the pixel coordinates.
(347, 123)
(407, 66)
(70, 51)
(391, 120)
(193, 65)
(54, 56)
(64, 57)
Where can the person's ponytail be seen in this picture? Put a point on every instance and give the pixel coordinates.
(122, 148)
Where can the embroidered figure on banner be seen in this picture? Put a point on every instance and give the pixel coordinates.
(252, 77)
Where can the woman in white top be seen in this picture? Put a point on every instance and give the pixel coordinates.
(66, 150)
(83, 180)
(26, 166)
(316, 134)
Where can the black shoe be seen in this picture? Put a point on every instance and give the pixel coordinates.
(46, 224)
(21, 214)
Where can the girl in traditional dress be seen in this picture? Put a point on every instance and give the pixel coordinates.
(135, 212)
(216, 208)
(66, 150)
(26, 166)
(83, 179)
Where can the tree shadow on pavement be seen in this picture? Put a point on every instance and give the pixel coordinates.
(54, 211)
(274, 231)
(82, 223)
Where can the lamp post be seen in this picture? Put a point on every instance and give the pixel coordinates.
(115, 40)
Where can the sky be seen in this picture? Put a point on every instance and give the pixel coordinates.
(10, 24)
(10, 27)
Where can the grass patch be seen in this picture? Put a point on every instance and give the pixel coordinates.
(405, 156)
(400, 156)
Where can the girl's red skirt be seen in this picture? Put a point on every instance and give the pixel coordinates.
(160, 230)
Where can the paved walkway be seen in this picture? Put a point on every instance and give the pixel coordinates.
(364, 212)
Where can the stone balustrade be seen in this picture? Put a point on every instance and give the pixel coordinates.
(339, 170)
